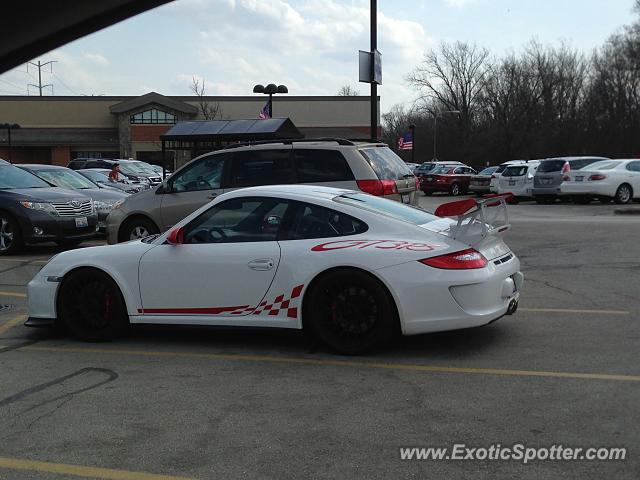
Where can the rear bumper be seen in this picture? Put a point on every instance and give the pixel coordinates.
(552, 191)
(587, 188)
(450, 300)
(435, 187)
(36, 322)
(479, 188)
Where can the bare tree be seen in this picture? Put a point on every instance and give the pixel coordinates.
(208, 110)
(348, 91)
(451, 78)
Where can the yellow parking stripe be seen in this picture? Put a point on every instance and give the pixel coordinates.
(571, 310)
(80, 471)
(8, 325)
(13, 294)
(343, 363)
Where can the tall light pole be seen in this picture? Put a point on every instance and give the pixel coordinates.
(270, 90)
(9, 127)
(435, 131)
(374, 86)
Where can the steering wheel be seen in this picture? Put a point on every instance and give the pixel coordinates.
(221, 235)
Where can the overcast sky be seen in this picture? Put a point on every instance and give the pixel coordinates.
(309, 45)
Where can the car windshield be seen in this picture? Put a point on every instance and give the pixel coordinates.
(388, 208)
(95, 176)
(134, 168)
(604, 165)
(425, 167)
(14, 177)
(65, 178)
(548, 166)
(386, 164)
(488, 171)
(515, 171)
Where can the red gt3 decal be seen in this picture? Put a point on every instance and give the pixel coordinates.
(265, 308)
(381, 244)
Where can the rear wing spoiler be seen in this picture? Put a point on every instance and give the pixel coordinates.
(489, 213)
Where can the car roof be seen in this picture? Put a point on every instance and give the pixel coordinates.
(315, 192)
(582, 157)
(41, 166)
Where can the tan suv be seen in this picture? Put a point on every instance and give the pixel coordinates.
(370, 167)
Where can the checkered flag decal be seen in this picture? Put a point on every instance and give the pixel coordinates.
(279, 304)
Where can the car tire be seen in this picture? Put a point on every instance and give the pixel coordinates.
(624, 194)
(91, 306)
(136, 228)
(582, 200)
(350, 311)
(455, 189)
(10, 235)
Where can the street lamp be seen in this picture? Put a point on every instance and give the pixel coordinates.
(412, 128)
(9, 127)
(270, 90)
(435, 130)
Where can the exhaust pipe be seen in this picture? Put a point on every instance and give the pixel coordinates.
(513, 306)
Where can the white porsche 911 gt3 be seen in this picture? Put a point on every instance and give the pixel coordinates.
(350, 267)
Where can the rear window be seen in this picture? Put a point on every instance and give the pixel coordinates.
(488, 171)
(551, 166)
(515, 171)
(385, 207)
(604, 165)
(425, 167)
(581, 163)
(321, 166)
(386, 164)
(442, 170)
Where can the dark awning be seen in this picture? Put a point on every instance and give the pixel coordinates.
(205, 131)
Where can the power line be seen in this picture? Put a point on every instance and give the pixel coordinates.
(66, 86)
(10, 83)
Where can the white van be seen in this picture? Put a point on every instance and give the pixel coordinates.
(518, 179)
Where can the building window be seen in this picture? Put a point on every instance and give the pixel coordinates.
(153, 116)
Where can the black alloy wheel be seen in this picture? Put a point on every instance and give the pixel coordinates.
(91, 306)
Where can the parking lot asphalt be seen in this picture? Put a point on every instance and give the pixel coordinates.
(175, 402)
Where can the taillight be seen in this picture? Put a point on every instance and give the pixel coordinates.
(462, 260)
(566, 168)
(566, 178)
(597, 176)
(378, 187)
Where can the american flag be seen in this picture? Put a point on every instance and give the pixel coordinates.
(405, 142)
(264, 113)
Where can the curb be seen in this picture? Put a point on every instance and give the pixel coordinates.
(627, 211)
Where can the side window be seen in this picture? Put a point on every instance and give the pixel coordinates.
(321, 166)
(459, 170)
(313, 221)
(203, 174)
(248, 219)
(261, 167)
(633, 166)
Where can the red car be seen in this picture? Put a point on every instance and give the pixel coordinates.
(454, 180)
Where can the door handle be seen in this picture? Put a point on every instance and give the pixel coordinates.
(261, 264)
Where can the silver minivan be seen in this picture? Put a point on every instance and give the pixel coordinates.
(370, 167)
(551, 172)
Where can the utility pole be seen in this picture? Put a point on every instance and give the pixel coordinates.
(39, 66)
(374, 86)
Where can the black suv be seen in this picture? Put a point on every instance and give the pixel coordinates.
(31, 211)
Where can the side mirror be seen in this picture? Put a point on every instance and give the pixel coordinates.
(164, 187)
(176, 236)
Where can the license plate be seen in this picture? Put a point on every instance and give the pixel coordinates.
(512, 183)
(405, 199)
(579, 179)
(545, 181)
(81, 222)
(429, 179)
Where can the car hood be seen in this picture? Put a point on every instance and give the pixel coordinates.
(52, 194)
(102, 194)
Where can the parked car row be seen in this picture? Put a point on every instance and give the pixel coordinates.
(580, 179)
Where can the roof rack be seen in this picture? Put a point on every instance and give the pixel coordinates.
(290, 141)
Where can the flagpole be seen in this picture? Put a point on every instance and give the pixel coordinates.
(412, 127)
